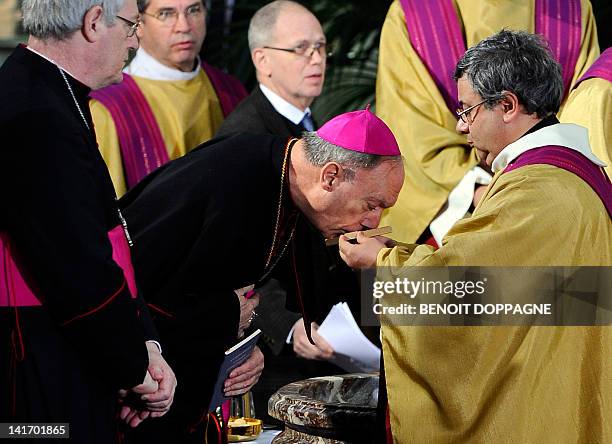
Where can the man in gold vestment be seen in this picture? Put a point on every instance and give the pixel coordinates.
(436, 159)
(169, 101)
(590, 105)
(515, 384)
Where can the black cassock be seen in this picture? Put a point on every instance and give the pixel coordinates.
(64, 360)
(202, 226)
(278, 313)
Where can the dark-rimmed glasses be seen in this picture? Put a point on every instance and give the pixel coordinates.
(169, 16)
(133, 25)
(306, 49)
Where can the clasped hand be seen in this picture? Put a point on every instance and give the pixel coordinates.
(153, 398)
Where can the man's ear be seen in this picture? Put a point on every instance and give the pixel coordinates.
(140, 30)
(261, 61)
(93, 24)
(510, 106)
(330, 176)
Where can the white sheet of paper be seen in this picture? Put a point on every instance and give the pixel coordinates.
(355, 352)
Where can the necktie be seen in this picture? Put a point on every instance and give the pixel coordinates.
(307, 122)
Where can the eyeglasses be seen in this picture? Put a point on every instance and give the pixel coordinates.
(169, 16)
(464, 114)
(306, 49)
(133, 25)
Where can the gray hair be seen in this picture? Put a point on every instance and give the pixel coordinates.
(518, 62)
(261, 27)
(319, 152)
(59, 19)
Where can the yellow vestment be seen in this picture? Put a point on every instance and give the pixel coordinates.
(188, 113)
(436, 158)
(507, 384)
(590, 105)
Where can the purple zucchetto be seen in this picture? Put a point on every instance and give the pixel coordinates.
(360, 131)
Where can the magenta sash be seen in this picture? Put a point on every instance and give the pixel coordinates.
(16, 290)
(601, 68)
(143, 148)
(228, 88)
(560, 22)
(121, 255)
(572, 161)
(435, 34)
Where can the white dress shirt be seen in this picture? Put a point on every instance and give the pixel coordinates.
(284, 108)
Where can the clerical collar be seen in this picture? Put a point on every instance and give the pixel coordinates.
(284, 108)
(567, 135)
(145, 65)
(547, 121)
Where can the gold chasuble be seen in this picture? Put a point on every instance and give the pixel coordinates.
(188, 113)
(507, 384)
(590, 105)
(436, 158)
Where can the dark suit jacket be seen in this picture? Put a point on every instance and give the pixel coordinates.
(256, 115)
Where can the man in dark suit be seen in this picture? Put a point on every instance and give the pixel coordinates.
(288, 49)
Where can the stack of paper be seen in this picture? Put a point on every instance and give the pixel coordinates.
(353, 351)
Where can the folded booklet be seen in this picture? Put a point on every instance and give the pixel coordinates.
(234, 357)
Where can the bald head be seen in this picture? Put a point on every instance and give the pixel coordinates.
(288, 49)
(263, 23)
